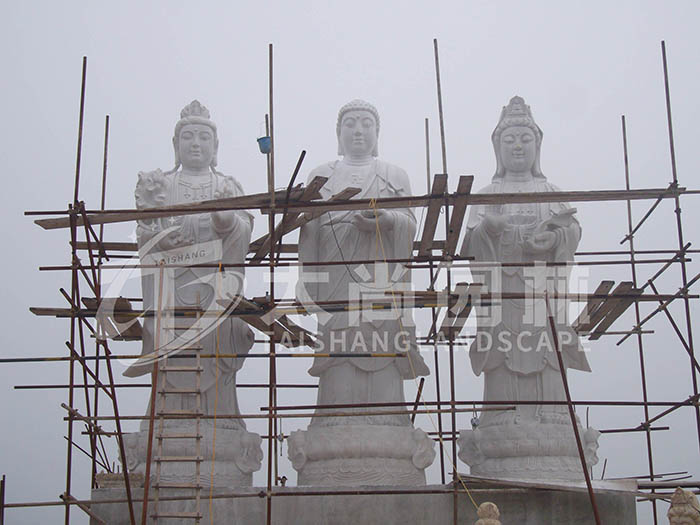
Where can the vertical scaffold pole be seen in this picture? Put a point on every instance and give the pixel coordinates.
(434, 314)
(640, 342)
(272, 395)
(448, 313)
(679, 229)
(74, 284)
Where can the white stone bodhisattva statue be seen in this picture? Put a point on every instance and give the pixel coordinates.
(362, 449)
(514, 347)
(684, 509)
(211, 238)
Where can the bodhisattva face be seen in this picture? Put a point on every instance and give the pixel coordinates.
(518, 149)
(358, 133)
(196, 146)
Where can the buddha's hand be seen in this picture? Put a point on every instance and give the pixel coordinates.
(540, 243)
(494, 224)
(367, 220)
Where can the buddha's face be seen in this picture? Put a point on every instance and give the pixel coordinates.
(518, 149)
(358, 133)
(196, 146)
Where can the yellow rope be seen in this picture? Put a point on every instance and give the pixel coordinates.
(373, 205)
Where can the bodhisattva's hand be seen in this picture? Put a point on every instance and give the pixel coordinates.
(223, 220)
(366, 220)
(495, 224)
(174, 239)
(540, 243)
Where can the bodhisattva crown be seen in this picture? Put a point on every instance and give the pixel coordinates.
(195, 109)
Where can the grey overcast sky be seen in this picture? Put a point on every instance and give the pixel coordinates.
(579, 65)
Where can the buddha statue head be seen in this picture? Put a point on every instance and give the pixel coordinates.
(517, 140)
(357, 129)
(195, 140)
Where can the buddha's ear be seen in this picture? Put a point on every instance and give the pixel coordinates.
(177, 151)
(340, 147)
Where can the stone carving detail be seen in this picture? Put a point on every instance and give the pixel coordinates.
(514, 346)
(362, 449)
(218, 238)
(488, 514)
(684, 509)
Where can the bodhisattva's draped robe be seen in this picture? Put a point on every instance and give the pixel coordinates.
(201, 241)
(334, 237)
(513, 347)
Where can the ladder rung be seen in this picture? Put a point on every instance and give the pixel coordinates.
(178, 486)
(193, 515)
(182, 369)
(179, 459)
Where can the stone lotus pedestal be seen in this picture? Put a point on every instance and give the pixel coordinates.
(353, 455)
(233, 455)
(530, 450)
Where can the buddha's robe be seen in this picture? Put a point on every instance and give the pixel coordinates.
(333, 237)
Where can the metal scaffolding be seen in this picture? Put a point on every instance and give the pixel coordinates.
(91, 255)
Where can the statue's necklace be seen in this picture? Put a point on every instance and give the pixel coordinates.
(195, 188)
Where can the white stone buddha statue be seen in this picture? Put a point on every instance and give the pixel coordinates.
(362, 449)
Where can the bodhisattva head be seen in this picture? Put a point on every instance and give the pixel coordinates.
(195, 140)
(357, 129)
(517, 140)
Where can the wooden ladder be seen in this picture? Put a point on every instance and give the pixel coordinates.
(164, 391)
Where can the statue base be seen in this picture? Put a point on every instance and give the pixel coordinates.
(230, 456)
(524, 506)
(529, 450)
(351, 455)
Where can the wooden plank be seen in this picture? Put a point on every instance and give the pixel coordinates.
(431, 218)
(464, 313)
(592, 305)
(300, 334)
(458, 319)
(613, 314)
(113, 246)
(448, 319)
(299, 220)
(261, 201)
(310, 192)
(464, 188)
(275, 330)
(486, 199)
(232, 203)
(608, 304)
(122, 314)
